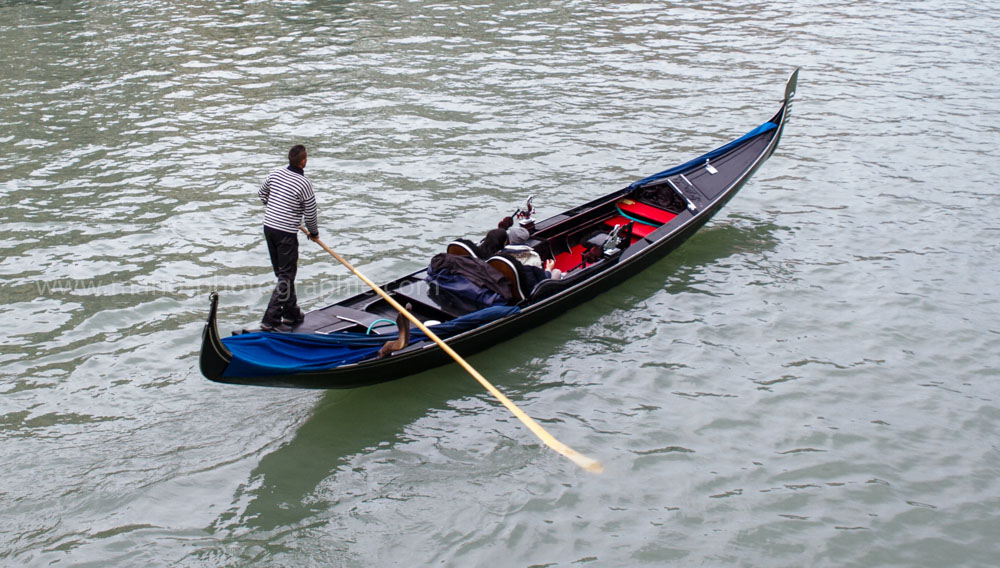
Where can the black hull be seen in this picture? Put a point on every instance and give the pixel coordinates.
(639, 256)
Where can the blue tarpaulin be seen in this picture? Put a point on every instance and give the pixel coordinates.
(448, 282)
(260, 354)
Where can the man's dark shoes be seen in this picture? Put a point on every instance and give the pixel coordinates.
(296, 320)
(279, 327)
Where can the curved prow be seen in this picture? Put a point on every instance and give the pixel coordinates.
(791, 85)
(214, 355)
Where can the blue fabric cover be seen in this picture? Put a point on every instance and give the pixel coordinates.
(463, 288)
(261, 354)
(701, 159)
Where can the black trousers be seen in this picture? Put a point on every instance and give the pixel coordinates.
(284, 250)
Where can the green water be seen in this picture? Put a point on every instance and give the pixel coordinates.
(810, 381)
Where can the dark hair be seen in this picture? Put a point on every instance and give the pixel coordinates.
(295, 154)
(493, 242)
(505, 223)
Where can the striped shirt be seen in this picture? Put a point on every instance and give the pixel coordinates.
(288, 196)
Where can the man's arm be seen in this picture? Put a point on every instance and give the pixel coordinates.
(309, 207)
(264, 193)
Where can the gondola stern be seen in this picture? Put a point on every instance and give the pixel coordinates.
(215, 357)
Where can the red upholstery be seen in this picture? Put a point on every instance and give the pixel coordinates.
(638, 230)
(568, 260)
(641, 210)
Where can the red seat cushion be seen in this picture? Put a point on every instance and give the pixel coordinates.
(569, 260)
(644, 211)
(638, 229)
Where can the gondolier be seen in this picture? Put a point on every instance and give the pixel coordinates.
(288, 197)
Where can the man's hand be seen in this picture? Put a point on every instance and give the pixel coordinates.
(314, 236)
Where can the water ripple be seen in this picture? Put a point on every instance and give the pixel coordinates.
(807, 381)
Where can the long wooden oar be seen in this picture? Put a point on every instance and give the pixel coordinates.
(578, 458)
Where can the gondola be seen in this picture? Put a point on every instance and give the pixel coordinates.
(597, 245)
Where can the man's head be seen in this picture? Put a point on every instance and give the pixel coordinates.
(297, 156)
